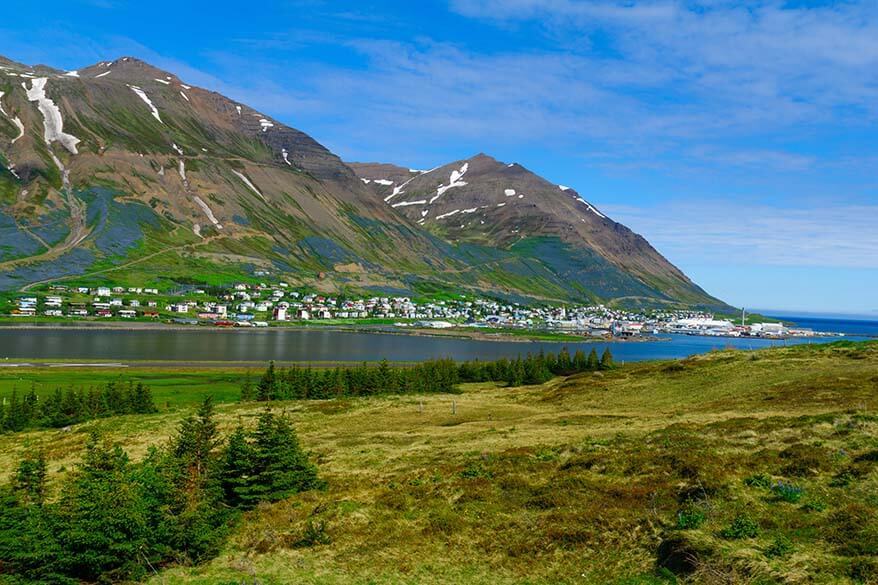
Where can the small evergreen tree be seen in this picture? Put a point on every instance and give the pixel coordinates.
(580, 363)
(267, 387)
(564, 363)
(141, 400)
(593, 363)
(270, 466)
(237, 467)
(248, 390)
(102, 521)
(607, 359)
(30, 479)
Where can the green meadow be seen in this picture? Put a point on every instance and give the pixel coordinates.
(730, 467)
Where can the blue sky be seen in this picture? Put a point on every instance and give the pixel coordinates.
(741, 138)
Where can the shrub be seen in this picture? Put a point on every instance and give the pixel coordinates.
(475, 470)
(758, 480)
(741, 527)
(690, 517)
(314, 534)
(787, 492)
(780, 547)
(814, 506)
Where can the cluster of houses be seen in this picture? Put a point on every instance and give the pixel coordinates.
(263, 305)
(104, 302)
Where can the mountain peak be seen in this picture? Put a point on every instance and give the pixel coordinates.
(129, 69)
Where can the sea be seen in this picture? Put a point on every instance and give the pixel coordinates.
(207, 346)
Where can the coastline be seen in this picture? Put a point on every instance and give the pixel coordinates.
(453, 333)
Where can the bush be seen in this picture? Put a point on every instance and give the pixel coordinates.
(315, 534)
(741, 527)
(690, 517)
(475, 470)
(780, 547)
(787, 492)
(758, 480)
(814, 506)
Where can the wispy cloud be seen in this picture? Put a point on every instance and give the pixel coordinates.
(758, 235)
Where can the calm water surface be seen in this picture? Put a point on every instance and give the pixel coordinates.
(316, 346)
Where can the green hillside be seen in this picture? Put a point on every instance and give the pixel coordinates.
(732, 467)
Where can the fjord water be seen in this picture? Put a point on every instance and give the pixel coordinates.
(207, 345)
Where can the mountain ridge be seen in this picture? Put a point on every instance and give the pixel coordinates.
(228, 190)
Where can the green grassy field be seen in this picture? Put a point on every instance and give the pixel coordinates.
(172, 388)
(732, 467)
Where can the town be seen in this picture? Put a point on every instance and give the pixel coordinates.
(274, 305)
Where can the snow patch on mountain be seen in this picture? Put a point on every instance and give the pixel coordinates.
(449, 214)
(178, 149)
(453, 182)
(73, 73)
(286, 155)
(142, 95)
(53, 124)
(185, 97)
(248, 183)
(407, 203)
(102, 74)
(398, 190)
(266, 124)
(509, 192)
(384, 182)
(564, 187)
(592, 209)
(208, 212)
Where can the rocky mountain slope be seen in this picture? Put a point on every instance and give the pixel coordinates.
(482, 201)
(122, 172)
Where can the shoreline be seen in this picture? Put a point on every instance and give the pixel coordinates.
(452, 333)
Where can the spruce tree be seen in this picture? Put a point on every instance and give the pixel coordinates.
(564, 363)
(199, 517)
(195, 441)
(580, 363)
(30, 479)
(593, 362)
(607, 359)
(384, 377)
(102, 524)
(141, 400)
(14, 419)
(237, 469)
(278, 466)
(248, 390)
(267, 387)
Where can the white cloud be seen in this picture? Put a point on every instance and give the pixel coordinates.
(726, 233)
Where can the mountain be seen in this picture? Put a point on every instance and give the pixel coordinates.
(483, 202)
(122, 172)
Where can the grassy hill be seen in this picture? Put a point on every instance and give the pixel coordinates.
(732, 467)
